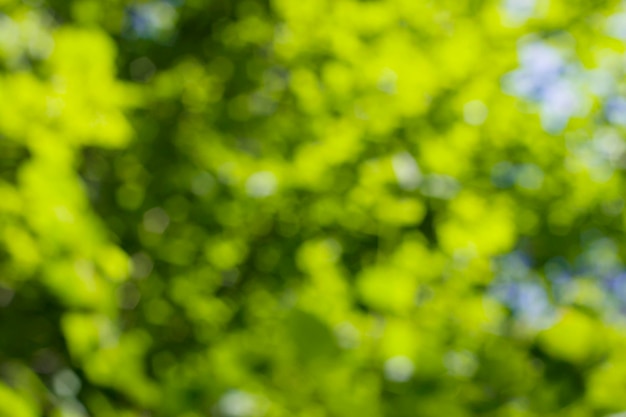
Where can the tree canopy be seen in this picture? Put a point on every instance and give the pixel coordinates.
(381, 208)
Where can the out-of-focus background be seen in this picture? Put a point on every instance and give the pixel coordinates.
(312, 208)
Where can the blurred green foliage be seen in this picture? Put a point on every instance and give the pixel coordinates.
(312, 208)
